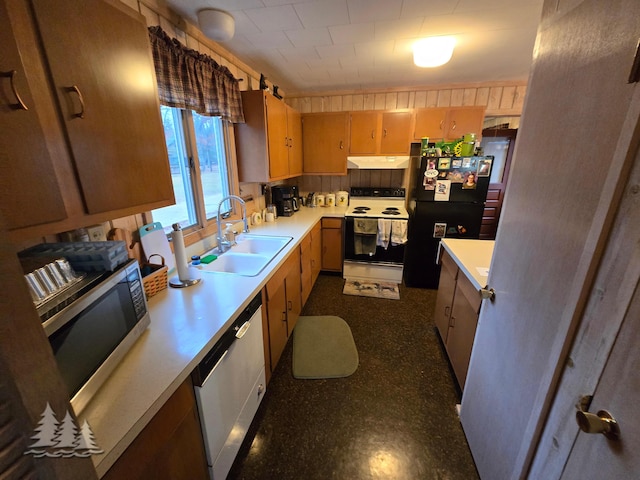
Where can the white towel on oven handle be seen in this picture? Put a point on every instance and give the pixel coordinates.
(384, 232)
(399, 232)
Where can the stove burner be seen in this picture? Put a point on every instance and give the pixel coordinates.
(391, 208)
(361, 208)
(391, 212)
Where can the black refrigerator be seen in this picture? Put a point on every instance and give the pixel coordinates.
(446, 201)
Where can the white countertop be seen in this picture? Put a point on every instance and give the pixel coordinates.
(472, 256)
(185, 324)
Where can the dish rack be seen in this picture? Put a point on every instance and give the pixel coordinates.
(154, 276)
(84, 256)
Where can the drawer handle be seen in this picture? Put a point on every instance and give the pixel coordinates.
(20, 105)
(76, 90)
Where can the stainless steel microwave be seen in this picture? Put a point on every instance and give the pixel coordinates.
(95, 328)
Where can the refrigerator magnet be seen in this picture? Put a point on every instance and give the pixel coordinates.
(484, 169)
(444, 163)
(456, 163)
(443, 189)
(429, 181)
(439, 230)
(469, 182)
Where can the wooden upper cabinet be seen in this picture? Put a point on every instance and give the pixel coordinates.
(294, 130)
(396, 133)
(103, 76)
(269, 142)
(325, 143)
(91, 145)
(363, 133)
(29, 190)
(380, 133)
(448, 123)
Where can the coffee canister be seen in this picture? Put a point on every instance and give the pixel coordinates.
(342, 198)
(320, 200)
(331, 199)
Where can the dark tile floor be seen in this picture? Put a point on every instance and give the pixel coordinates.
(394, 418)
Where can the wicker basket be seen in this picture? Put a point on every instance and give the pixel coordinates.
(154, 276)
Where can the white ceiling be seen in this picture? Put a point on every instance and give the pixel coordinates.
(343, 45)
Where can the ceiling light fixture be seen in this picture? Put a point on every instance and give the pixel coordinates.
(216, 24)
(433, 51)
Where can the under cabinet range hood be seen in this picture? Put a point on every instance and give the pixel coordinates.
(378, 162)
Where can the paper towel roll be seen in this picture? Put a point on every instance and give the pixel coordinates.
(180, 253)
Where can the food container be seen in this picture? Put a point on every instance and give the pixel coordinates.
(320, 200)
(342, 198)
(331, 199)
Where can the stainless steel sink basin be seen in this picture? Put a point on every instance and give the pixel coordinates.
(250, 255)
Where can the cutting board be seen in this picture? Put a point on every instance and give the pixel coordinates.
(154, 240)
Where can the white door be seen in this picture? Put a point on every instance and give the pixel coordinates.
(566, 170)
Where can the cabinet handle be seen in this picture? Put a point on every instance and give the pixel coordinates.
(454, 125)
(452, 323)
(290, 142)
(441, 123)
(446, 310)
(373, 134)
(384, 133)
(341, 145)
(290, 305)
(286, 141)
(20, 105)
(76, 90)
(284, 316)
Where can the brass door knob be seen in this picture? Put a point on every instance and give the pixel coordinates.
(603, 423)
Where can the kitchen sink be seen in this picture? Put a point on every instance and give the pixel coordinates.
(260, 244)
(250, 255)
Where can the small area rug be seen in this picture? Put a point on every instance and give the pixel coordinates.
(323, 347)
(372, 289)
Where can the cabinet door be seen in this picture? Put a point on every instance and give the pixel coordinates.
(430, 122)
(396, 133)
(363, 133)
(324, 143)
(462, 329)
(102, 70)
(316, 252)
(294, 130)
(294, 293)
(464, 120)
(332, 244)
(306, 278)
(277, 137)
(444, 300)
(277, 313)
(29, 192)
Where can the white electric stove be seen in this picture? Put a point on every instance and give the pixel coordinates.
(385, 264)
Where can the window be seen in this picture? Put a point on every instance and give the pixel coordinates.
(199, 168)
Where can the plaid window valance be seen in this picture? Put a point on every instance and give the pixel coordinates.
(191, 80)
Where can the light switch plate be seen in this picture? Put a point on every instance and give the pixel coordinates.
(96, 233)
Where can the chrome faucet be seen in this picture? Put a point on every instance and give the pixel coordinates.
(224, 244)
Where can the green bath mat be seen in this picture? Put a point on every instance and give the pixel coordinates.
(323, 347)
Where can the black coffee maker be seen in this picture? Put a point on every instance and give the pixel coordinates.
(283, 199)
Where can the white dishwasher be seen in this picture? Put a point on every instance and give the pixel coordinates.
(229, 385)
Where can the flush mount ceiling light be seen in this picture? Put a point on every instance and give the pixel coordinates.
(433, 51)
(216, 24)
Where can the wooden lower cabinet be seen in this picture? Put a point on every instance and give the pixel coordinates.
(170, 447)
(332, 244)
(456, 316)
(446, 290)
(282, 297)
(316, 252)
